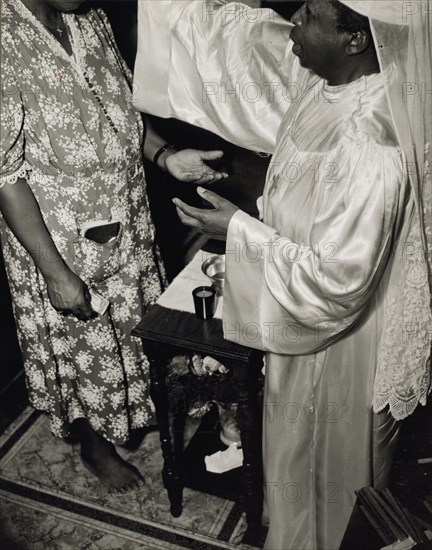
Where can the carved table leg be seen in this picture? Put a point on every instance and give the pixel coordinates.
(158, 392)
(250, 423)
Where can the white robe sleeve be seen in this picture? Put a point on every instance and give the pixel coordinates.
(295, 298)
(222, 67)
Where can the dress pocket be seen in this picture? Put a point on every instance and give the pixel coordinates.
(96, 262)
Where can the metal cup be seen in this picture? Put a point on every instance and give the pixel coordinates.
(214, 269)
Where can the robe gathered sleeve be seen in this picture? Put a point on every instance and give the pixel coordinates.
(292, 297)
(219, 66)
(12, 158)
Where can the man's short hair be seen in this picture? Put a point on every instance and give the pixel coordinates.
(349, 20)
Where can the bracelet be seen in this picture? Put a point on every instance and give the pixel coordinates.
(162, 150)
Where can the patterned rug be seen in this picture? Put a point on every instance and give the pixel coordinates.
(48, 500)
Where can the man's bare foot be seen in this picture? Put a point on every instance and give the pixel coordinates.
(100, 457)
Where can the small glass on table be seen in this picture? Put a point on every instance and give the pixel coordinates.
(204, 300)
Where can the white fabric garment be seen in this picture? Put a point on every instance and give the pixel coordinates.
(317, 272)
(318, 267)
(388, 11)
(402, 37)
(230, 94)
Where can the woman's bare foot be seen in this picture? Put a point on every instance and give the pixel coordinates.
(100, 457)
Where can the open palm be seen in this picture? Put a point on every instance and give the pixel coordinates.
(189, 166)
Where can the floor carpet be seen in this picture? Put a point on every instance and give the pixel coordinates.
(48, 500)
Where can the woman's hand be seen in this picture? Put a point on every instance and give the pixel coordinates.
(66, 291)
(189, 165)
(213, 222)
(69, 294)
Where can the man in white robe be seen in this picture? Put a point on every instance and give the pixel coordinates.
(307, 284)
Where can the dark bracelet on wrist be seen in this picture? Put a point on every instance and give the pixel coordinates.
(162, 150)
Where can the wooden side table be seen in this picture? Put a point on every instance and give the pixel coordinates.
(167, 332)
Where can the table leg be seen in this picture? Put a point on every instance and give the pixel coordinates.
(250, 423)
(158, 392)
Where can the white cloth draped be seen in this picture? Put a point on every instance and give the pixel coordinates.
(187, 75)
(389, 11)
(309, 283)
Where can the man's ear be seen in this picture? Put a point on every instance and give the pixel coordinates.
(359, 42)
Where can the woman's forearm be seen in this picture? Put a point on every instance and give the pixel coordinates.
(22, 214)
(185, 165)
(152, 143)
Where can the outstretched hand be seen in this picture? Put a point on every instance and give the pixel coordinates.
(189, 165)
(214, 221)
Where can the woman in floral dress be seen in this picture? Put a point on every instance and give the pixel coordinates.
(72, 152)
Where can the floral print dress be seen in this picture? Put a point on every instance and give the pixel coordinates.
(69, 128)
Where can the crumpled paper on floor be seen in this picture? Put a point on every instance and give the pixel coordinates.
(223, 461)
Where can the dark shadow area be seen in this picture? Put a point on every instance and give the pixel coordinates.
(10, 355)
